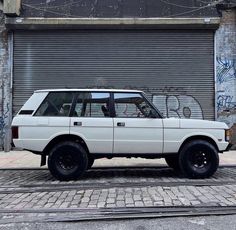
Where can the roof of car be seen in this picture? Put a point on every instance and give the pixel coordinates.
(88, 90)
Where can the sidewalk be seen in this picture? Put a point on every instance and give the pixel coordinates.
(25, 159)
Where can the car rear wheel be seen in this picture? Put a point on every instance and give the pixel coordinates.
(198, 159)
(173, 162)
(67, 161)
(90, 162)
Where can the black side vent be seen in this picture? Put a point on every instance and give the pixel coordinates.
(26, 112)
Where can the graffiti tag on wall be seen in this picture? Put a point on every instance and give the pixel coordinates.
(225, 102)
(226, 70)
(226, 90)
(226, 85)
(171, 101)
(181, 106)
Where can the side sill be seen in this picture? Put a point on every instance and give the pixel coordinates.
(129, 155)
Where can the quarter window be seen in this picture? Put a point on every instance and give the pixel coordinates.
(56, 104)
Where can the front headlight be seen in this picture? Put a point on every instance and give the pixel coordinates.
(228, 134)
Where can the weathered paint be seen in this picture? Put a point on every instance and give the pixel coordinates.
(30, 23)
(5, 88)
(118, 8)
(225, 39)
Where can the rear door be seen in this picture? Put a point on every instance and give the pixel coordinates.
(92, 122)
(136, 126)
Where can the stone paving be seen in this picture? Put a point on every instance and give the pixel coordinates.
(129, 197)
(122, 197)
(124, 175)
(122, 187)
(28, 195)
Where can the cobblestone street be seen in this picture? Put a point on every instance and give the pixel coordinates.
(35, 190)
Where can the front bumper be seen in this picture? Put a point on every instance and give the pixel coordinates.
(229, 146)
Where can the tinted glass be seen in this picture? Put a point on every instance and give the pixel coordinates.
(93, 104)
(132, 105)
(56, 104)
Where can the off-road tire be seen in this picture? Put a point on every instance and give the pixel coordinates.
(173, 162)
(198, 159)
(90, 162)
(67, 161)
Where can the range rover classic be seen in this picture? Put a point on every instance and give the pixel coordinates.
(73, 127)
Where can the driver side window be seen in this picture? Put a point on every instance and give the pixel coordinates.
(131, 105)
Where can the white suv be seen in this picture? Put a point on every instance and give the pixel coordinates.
(73, 127)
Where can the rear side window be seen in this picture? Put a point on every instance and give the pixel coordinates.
(92, 104)
(56, 104)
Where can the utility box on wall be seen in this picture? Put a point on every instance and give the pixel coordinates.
(12, 7)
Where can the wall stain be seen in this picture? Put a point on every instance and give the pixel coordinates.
(3, 124)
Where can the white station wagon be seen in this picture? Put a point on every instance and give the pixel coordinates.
(73, 127)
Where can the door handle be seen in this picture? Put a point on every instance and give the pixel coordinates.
(120, 123)
(77, 123)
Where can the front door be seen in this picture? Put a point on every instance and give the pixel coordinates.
(136, 126)
(92, 122)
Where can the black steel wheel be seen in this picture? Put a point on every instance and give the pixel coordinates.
(173, 162)
(67, 161)
(198, 159)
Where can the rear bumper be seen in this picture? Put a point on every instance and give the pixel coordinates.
(13, 145)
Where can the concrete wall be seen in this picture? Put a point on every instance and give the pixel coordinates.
(225, 39)
(5, 87)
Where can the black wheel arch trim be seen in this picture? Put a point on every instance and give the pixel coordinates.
(199, 137)
(62, 138)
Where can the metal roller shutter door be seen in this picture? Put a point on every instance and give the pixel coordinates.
(174, 67)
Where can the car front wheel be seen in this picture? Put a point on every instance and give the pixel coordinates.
(198, 159)
(67, 161)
